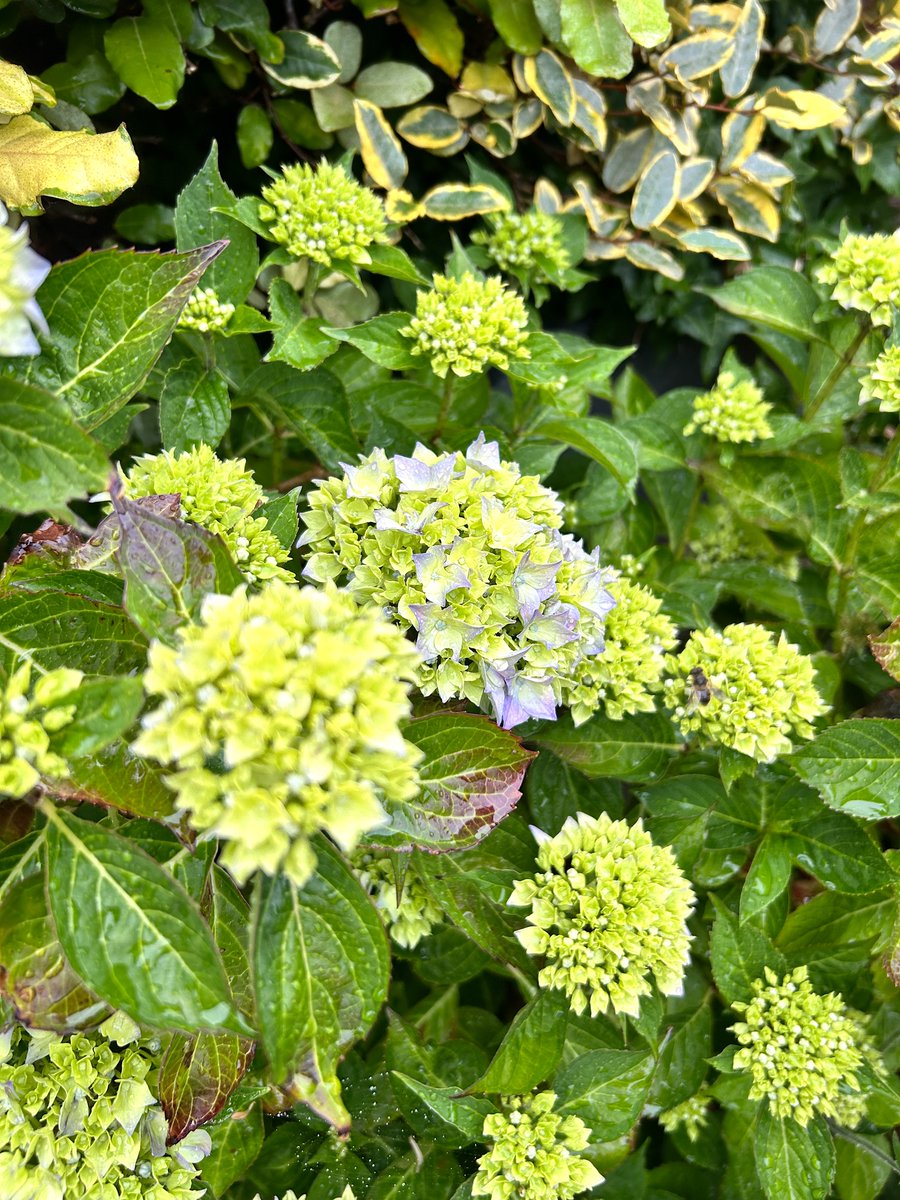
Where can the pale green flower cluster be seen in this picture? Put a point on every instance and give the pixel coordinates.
(741, 688)
(22, 272)
(222, 496)
(205, 312)
(802, 1050)
(466, 325)
(626, 675)
(534, 1153)
(608, 910)
(692, 1115)
(733, 411)
(79, 1119)
(322, 213)
(29, 716)
(346, 1194)
(864, 273)
(524, 242)
(281, 712)
(405, 905)
(882, 381)
(466, 551)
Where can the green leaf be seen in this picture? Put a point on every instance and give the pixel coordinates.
(237, 1139)
(131, 932)
(739, 954)
(435, 30)
(595, 37)
(104, 709)
(320, 969)
(298, 339)
(441, 1114)
(646, 20)
(606, 1089)
(531, 1047)
(395, 263)
(110, 313)
(471, 778)
(682, 1067)
(832, 847)
(255, 135)
(855, 766)
(37, 980)
(457, 201)
(546, 76)
(147, 57)
(381, 341)
(194, 405)
(314, 408)
(794, 1162)
(45, 459)
(775, 297)
(768, 877)
(635, 749)
(737, 72)
(118, 779)
(600, 441)
(198, 1073)
(392, 84)
(886, 649)
(308, 61)
(232, 273)
(517, 24)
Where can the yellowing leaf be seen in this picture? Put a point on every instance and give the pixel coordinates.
(740, 137)
(657, 192)
(752, 210)
(646, 20)
(381, 151)
(86, 168)
(436, 32)
(796, 109)
(546, 76)
(430, 128)
(488, 83)
(16, 92)
(455, 201)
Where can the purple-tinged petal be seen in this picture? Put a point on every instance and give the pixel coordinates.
(533, 583)
(437, 576)
(527, 699)
(484, 454)
(416, 476)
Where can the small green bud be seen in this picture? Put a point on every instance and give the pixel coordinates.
(405, 905)
(29, 715)
(734, 411)
(205, 312)
(882, 380)
(524, 242)
(691, 1114)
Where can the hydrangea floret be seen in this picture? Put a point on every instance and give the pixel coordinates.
(205, 312)
(692, 1115)
(465, 551)
(882, 380)
(22, 272)
(609, 909)
(803, 1050)
(29, 716)
(534, 1153)
(405, 905)
(222, 496)
(743, 689)
(864, 273)
(524, 242)
(466, 325)
(280, 712)
(79, 1118)
(733, 411)
(323, 214)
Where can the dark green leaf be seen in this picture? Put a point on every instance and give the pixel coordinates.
(772, 296)
(314, 408)
(147, 56)
(598, 440)
(606, 1089)
(739, 955)
(635, 749)
(855, 766)
(441, 1114)
(531, 1048)
(299, 340)
(381, 341)
(794, 1162)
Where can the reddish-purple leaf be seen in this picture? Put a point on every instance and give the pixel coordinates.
(197, 1075)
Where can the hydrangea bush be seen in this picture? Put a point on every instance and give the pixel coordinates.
(450, 620)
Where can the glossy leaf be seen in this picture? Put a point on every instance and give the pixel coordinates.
(645, 20)
(147, 57)
(606, 1089)
(794, 1162)
(531, 1047)
(771, 296)
(596, 38)
(634, 749)
(856, 767)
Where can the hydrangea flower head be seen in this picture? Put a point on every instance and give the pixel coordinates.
(524, 242)
(79, 1118)
(882, 380)
(22, 272)
(280, 712)
(405, 905)
(222, 496)
(609, 909)
(864, 273)
(802, 1050)
(734, 411)
(205, 312)
(691, 1115)
(465, 551)
(534, 1153)
(742, 688)
(29, 716)
(322, 213)
(467, 325)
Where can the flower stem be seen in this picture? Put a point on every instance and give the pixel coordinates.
(444, 410)
(833, 376)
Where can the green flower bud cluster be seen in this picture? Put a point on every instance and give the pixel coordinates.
(740, 688)
(405, 905)
(466, 325)
(29, 716)
(734, 411)
(608, 910)
(222, 496)
(802, 1050)
(626, 675)
(534, 1153)
(864, 273)
(466, 551)
(519, 242)
(717, 537)
(205, 312)
(21, 274)
(79, 1119)
(691, 1115)
(281, 711)
(882, 381)
(322, 213)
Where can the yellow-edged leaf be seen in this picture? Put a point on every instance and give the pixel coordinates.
(487, 82)
(546, 76)
(751, 208)
(547, 196)
(456, 201)
(748, 34)
(85, 168)
(762, 168)
(649, 96)
(698, 56)
(627, 159)
(401, 206)
(797, 109)
(381, 151)
(720, 243)
(882, 46)
(740, 137)
(653, 258)
(430, 128)
(657, 192)
(835, 23)
(527, 117)
(436, 32)
(590, 113)
(16, 92)
(696, 174)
